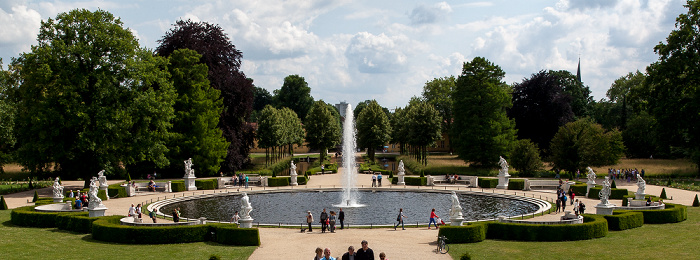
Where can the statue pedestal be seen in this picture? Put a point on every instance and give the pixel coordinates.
(639, 196)
(401, 180)
(189, 183)
(503, 181)
(99, 211)
(130, 190)
(58, 199)
(456, 221)
(604, 209)
(431, 181)
(246, 223)
(589, 185)
(293, 180)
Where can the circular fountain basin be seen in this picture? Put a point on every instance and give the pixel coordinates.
(380, 207)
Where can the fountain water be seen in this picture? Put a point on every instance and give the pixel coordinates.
(350, 196)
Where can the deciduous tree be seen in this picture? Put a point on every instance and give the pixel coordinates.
(373, 128)
(583, 143)
(322, 128)
(438, 93)
(294, 94)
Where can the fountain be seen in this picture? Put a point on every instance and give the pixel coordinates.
(350, 196)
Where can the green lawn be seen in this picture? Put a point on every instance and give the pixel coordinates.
(51, 243)
(665, 241)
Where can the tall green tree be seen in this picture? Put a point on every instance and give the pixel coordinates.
(8, 82)
(373, 128)
(581, 99)
(583, 143)
(438, 93)
(482, 130)
(292, 129)
(526, 158)
(224, 63)
(90, 98)
(295, 94)
(424, 127)
(198, 107)
(322, 128)
(261, 98)
(269, 133)
(674, 82)
(362, 105)
(625, 101)
(399, 129)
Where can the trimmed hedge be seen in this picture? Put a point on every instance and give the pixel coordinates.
(115, 190)
(108, 229)
(488, 183)
(3, 205)
(27, 217)
(76, 222)
(414, 181)
(205, 184)
(593, 226)
(516, 184)
(178, 186)
(616, 194)
(471, 233)
(278, 181)
(102, 194)
(672, 214)
(579, 189)
(623, 219)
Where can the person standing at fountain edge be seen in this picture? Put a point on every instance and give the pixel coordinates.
(433, 216)
(364, 253)
(379, 179)
(374, 180)
(324, 219)
(341, 217)
(309, 220)
(400, 220)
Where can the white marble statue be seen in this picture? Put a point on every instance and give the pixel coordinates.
(605, 191)
(591, 175)
(189, 172)
(293, 169)
(101, 177)
(641, 185)
(504, 166)
(401, 168)
(94, 201)
(57, 189)
(246, 208)
(456, 209)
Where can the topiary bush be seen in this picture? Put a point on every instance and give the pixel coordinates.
(624, 199)
(516, 184)
(663, 194)
(3, 205)
(672, 214)
(488, 183)
(579, 189)
(696, 203)
(593, 226)
(623, 219)
(613, 185)
(36, 196)
(76, 222)
(232, 235)
(27, 217)
(102, 194)
(470, 233)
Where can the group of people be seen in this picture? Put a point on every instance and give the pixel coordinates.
(328, 221)
(364, 253)
(562, 198)
(452, 179)
(240, 180)
(136, 213)
(81, 199)
(377, 179)
(625, 174)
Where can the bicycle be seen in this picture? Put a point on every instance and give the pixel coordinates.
(442, 246)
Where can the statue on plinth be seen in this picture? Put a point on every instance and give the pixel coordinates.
(246, 208)
(57, 189)
(591, 175)
(456, 209)
(401, 167)
(293, 174)
(641, 188)
(605, 191)
(401, 174)
(189, 172)
(504, 166)
(94, 201)
(103, 179)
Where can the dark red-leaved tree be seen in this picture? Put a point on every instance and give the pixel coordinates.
(224, 62)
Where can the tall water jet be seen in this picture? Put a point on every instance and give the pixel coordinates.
(350, 196)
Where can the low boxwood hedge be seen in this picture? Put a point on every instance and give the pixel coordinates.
(28, 217)
(231, 235)
(76, 222)
(579, 189)
(116, 190)
(615, 194)
(488, 183)
(278, 181)
(178, 186)
(623, 219)
(593, 226)
(672, 214)
(414, 181)
(206, 184)
(470, 233)
(516, 184)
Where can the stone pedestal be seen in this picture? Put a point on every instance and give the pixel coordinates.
(202, 220)
(130, 190)
(220, 182)
(246, 223)
(293, 180)
(401, 180)
(639, 196)
(189, 183)
(169, 187)
(68, 205)
(589, 185)
(604, 209)
(97, 212)
(503, 181)
(456, 221)
(431, 180)
(263, 181)
(58, 199)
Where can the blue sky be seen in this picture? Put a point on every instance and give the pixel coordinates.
(387, 50)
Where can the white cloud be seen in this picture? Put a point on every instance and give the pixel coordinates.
(377, 53)
(20, 26)
(423, 14)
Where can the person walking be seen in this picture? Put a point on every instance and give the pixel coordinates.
(563, 203)
(309, 220)
(364, 253)
(400, 220)
(324, 221)
(374, 180)
(433, 218)
(558, 205)
(341, 217)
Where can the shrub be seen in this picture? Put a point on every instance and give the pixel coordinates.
(672, 214)
(616, 194)
(178, 186)
(76, 222)
(623, 219)
(3, 205)
(214, 257)
(278, 181)
(696, 203)
(525, 157)
(613, 185)
(579, 189)
(593, 226)
(414, 181)
(205, 184)
(27, 217)
(488, 183)
(470, 233)
(231, 235)
(116, 190)
(102, 194)
(36, 196)
(663, 193)
(516, 184)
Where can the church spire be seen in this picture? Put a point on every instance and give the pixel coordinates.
(578, 71)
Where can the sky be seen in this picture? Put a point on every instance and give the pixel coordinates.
(387, 50)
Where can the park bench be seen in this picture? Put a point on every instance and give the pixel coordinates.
(529, 184)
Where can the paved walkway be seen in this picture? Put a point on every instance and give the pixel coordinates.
(412, 243)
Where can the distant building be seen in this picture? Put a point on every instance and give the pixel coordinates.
(341, 108)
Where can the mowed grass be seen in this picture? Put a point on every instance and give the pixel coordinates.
(655, 167)
(663, 241)
(51, 243)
